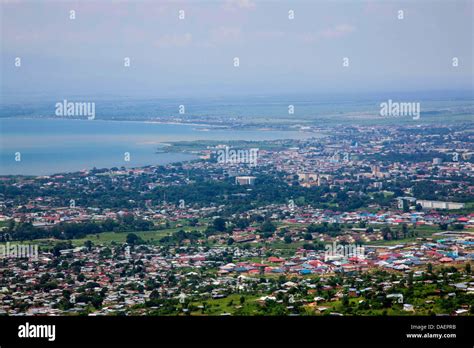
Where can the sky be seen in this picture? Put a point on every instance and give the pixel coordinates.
(194, 56)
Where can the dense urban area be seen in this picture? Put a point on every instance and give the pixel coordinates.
(361, 220)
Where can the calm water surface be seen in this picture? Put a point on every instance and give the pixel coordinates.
(50, 146)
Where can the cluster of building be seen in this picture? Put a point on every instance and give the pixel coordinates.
(105, 280)
(124, 280)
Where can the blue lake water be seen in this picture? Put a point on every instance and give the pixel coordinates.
(49, 146)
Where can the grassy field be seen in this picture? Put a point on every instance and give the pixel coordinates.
(230, 304)
(423, 232)
(107, 238)
(151, 237)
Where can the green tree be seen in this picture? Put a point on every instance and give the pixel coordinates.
(88, 244)
(268, 226)
(219, 224)
(345, 301)
(133, 239)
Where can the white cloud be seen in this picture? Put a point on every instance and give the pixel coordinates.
(330, 33)
(174, 40)
(235, 4)
(338, 31)
(226, 35)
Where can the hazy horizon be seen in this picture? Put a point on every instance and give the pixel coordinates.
(193, 57)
